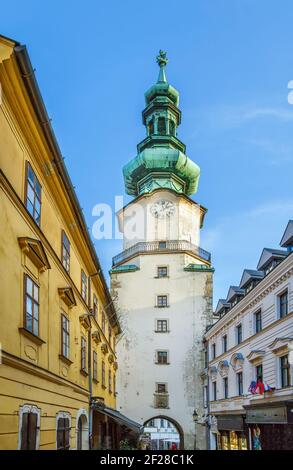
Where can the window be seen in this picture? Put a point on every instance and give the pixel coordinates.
(114, 384)
(162, 423)
(162, 301)
(162, 357)
(161, 126)
(110, 334)
(29, 427)
(95, 366)
(63, 433)
(285, 371)
(104, 322)
(213, 350)
(240, 383)
(83, 354)
(110, 381)
(65, 252)
(161, 388)
(64, 336)
(283, 304)
(103, 375)
(162, 271)
(31, 306)
(83, 285)
(162, 245)
(224, 343)
(95, 306)
(257, 321)
(162, 326)
(205, 358)
(151, 127)
(259, 372)
(239, 333)
(33, 195)
(226, 391)
(214, 390)
(171, 127)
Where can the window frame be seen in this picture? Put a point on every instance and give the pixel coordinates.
(240, 388)
(162, 353)
(285, 368)
(165, 384)
(83, 354)
(36, 196)
(95, 306)
(160, 303)
(84, 286)
(160, 276)
(213, 350)
(214, 387)
(65, 251)
(239, 328)
(104, 374)
(259, 376)
(33, 409)
(226, 387)
(160, 329)
(65, 334)
(224, 343)
(95, 366)
(34, 303)
(65, 430)
(280, 295)
(257, 320)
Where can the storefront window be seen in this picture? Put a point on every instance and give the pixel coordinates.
(225, 441)
(233, 440)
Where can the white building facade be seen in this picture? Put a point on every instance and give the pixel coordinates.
(162, 281)
(248, 374)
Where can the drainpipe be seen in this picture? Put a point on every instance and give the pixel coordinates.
(208, 399)
(90, 382)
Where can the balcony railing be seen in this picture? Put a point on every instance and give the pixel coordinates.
(161, 247)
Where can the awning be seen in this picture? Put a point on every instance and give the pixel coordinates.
(118, 417)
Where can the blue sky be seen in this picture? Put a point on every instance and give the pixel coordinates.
(231, 60)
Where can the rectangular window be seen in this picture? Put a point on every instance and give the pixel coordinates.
(240, 383)
(213, 350)
(95, 365)
(31, 306)
(162, 326)
(64, 336)
(205, 358)
(33, 195)
(162, 245)
(110, 381)
(205, 396)
(110, 335)
(161, 388)
(226, 391)
(83, 354)
(95, 306)
(259, 372)
(103, 375)
(162, 301)
(65, 252)
(29, 431)
(214, 390)
(162, 271)
(224, 343)
(283, 304)
(63, 434)
(257, 321)
(162, 357)
(239, 333)
(83, 286)
(285, 371)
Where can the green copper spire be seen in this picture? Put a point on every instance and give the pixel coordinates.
(161, 161)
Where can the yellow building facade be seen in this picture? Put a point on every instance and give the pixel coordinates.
(58, 323)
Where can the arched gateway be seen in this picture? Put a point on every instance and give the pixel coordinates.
(164, 433)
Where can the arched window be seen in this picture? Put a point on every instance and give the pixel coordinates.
(151, 127)
(29, 427)
(171, 127)
(63, 431)
(161, 126)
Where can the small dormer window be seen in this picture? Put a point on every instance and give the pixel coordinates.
(162, 126)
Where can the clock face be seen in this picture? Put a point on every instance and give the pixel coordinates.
(162, 209)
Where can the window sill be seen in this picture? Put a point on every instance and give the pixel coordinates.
(158, 331)
(161, 277)
(36, 339)
(162, 363)
(162, 306)
(84, 372)
(65, 359)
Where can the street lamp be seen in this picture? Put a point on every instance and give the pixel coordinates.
(195, 420)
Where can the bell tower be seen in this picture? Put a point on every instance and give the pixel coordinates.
(162, 280)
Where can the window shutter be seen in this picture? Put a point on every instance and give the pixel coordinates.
(32, 431)
(24, 429)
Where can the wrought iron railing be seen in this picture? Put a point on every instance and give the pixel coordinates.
(161, 246)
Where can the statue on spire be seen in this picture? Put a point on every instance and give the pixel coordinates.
(162, 58)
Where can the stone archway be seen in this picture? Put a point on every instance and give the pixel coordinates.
(82, 431)
(173, 422)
